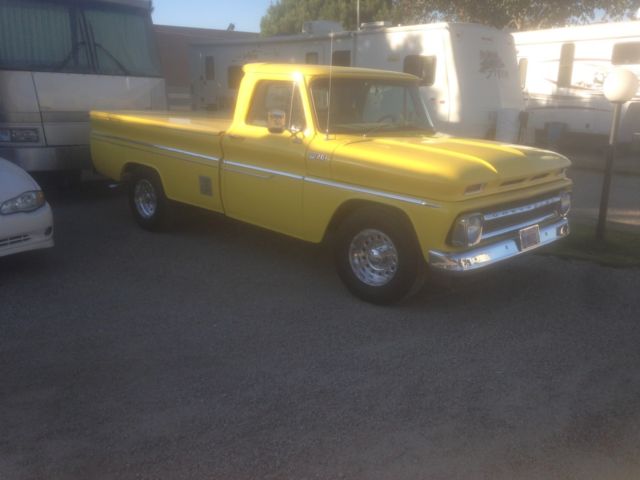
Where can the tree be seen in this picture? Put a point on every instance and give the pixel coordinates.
(287, 16)
(514, 14)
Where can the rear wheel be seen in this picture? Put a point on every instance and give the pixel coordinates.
(377, 256)
(149, 205)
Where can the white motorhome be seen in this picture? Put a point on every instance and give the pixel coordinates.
(562, 72)
(469, 75)
(59, 59)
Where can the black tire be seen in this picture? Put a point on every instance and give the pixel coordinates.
(389, 267)
(148, 203)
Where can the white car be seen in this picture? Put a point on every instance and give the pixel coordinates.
(26, 222)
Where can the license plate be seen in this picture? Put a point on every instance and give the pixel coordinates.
(529, 237)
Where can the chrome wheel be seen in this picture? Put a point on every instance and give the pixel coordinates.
(373, 257)
(145, 199)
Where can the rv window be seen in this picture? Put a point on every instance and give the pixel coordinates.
(311, 58)
(565, 67)
(122, 38)
(422, 67)
(341, 58)
(234, 76)
(209, 68)
(276, 95)
(523, 65)
(41, 37)
(626, 53)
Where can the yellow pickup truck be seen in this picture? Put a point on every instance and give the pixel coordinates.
(345, 155)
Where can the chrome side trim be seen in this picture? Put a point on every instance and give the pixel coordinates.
(241, 167)
(491, 254)
(179, 151)
(377, 193)
(523, 209)
(513, 228)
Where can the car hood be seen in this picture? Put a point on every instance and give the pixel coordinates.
(442, 167)
(14, 181)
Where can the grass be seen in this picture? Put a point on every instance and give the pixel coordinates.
(620, 249)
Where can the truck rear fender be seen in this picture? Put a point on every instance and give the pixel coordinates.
(130, 168)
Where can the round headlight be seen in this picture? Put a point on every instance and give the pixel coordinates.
(565, 203)
(467, 231)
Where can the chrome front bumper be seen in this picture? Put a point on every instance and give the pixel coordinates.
(493, 253)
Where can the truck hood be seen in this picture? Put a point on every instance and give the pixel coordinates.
(14, 181)
(442, 167)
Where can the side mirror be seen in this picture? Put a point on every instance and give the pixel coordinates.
(276, 121)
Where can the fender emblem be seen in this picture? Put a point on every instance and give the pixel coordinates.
(322, 157)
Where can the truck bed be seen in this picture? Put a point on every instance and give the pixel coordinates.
(199, 122)
(184, 150)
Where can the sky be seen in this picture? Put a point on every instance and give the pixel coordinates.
(245, 14)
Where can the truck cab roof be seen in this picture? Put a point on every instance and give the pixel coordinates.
(324, 70)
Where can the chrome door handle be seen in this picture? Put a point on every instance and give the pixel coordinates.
(235, 137)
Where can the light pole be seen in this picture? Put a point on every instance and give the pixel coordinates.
(619, 87)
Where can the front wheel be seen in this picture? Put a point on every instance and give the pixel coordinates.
(148, 202)
(377, 256)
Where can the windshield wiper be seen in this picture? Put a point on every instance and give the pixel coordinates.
(115, 60)
(399, 128)
(74, 51)
(105, 50)
(378, 127)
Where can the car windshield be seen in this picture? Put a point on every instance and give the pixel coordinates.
(369, 106)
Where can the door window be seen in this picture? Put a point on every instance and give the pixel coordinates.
(276, 95)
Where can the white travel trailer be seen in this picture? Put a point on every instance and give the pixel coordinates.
(469, 75)
(562, 72)
(59, 59)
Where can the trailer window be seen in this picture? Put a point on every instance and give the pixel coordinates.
(626, 53)
(209, 68)
(234, 76)
(565, 67)
(523, 66)
(276, 95)
(311, 58)
(341, 58)
(423, 67)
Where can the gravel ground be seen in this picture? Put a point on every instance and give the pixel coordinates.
(221, 351)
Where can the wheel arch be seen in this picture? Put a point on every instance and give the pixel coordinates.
(350, 207)
(131, 168)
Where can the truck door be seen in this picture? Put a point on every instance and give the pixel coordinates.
(263, 170)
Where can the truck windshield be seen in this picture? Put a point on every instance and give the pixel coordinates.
(76, 37)
(369, 106)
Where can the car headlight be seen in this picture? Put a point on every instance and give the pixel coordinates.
(19, 135)
(25, 202)
(467, 230)
(565, 204)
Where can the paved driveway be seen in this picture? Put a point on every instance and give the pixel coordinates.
(221, 351)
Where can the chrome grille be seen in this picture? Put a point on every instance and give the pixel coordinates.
(5, 242)
(511, 218)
